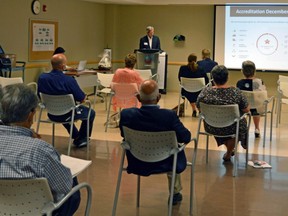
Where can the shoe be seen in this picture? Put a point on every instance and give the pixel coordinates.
(194, 114)
(176, 199)
(257, 133)
(226, 159)
(81, 142)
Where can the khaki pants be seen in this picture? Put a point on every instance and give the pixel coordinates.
(177, 186)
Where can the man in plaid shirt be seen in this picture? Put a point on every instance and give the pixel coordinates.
(23, 155)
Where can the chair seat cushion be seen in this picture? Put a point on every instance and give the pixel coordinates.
(142, 168)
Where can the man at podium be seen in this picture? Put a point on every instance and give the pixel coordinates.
(150, 41)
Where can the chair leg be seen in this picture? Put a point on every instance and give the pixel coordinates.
(39, 119)
(53, 134)
(207, 147)
(118, 184)
(172, 185)
(192, 177)
(70, 137)
(265, 124)
(178, 108)
(87, 132)
(271, 125)
(138, 191)
(279, 113)
(235, 166)
(108, 114)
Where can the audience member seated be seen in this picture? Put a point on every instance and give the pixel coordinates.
(206, 63)
(251, 83)
(23, 155)
(61, 50)
(57, 83)
(191, 70)
(127, 75)
(223, 94)
(151, 118)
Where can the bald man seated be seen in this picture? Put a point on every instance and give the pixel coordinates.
(150, 117)
(57, 83)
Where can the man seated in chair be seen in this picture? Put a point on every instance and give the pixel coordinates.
(23, 155)
(57, 83)
(151, 118)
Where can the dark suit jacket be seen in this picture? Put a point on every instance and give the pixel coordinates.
(152, 118)
(144, 43)
(207, 64)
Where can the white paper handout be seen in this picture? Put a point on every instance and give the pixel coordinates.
(76, 165)
(259, 164)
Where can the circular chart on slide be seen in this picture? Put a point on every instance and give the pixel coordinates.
(267, 44)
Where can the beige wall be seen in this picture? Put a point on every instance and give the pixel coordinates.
(81, 29)
(86, 28)
(127, 24)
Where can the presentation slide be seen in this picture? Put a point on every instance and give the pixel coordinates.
(257, 32)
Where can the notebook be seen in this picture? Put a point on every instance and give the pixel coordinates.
(81, 65)
(76, 165)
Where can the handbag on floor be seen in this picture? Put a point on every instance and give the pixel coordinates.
(181, 111)
(113, 121)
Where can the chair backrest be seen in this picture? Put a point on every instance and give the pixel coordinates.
(219, 115)
(282, 78)
(150, 146)
(85, 81)
(145, 73)
(24, 196)
(58, 104)
(192, 84)
(4, 81)
(256, 99)
(283, 87)
(33, 86)
(125, 94)
(105, 79)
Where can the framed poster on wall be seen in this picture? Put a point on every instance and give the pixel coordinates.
(43, 39)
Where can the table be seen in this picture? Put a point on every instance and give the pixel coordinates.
(6, 68)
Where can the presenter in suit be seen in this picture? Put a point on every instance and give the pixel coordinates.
(150, 41)
(151, 118)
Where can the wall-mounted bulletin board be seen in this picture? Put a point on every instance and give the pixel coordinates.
(43, 39)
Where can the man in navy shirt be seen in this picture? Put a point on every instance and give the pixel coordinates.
(57, 83)
(206, 63)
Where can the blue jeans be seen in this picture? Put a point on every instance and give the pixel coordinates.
(80, 113)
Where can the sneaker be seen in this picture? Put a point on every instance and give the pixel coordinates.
(194, 114)
(257, 133)
(79, 143)
(176, 198)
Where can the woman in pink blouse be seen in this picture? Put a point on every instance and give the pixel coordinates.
(127, 75)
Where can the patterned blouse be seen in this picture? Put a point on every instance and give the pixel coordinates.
(224, 96)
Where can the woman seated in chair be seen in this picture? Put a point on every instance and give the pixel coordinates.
(251, 83)
(223, 94)
(191, 70)
(127, 75)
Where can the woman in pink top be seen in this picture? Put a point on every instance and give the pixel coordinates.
(127, 75)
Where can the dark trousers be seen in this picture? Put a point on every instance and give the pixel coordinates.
(71, 205)
(80, 113)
